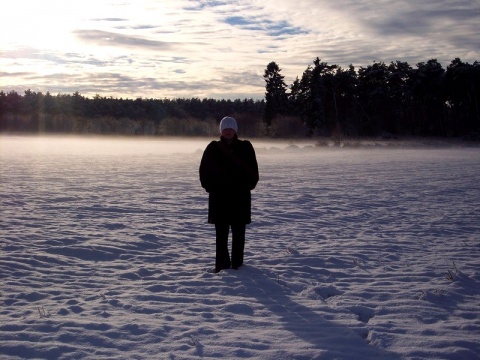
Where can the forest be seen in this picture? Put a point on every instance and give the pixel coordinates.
(380, 99)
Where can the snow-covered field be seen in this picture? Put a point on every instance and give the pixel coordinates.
(370, 252)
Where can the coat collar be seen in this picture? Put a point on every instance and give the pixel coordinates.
(225, 141)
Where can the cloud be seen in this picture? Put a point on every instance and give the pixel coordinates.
(110, 19)
(5, 74)
(106, 38)
(196, 5)
(360, 32)
(420, 20)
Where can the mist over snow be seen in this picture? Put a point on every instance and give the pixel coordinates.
(367, 250)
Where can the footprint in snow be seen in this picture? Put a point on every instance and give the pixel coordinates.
(364, 313)
(292, 251)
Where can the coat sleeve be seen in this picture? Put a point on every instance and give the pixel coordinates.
(206, 168)
(253, 175)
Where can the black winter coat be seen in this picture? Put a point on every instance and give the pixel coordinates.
(228, 172)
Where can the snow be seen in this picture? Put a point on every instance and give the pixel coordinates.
(366, 252)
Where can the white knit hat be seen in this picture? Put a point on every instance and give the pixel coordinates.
(228, 123)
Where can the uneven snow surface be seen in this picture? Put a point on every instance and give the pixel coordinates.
(370, 252)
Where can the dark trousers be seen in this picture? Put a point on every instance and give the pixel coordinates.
(222, 258)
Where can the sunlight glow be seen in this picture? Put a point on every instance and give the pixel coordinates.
(38, 24)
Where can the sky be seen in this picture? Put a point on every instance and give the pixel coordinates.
(217, 48)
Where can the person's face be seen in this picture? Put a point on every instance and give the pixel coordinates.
(228, 134)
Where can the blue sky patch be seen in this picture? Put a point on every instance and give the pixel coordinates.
(270, 27)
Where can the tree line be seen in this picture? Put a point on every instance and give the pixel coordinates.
(327, 100)
(63, 113)
(394, 99)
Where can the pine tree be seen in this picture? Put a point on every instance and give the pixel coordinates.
(275, 95)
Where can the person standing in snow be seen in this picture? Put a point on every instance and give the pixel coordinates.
(228, 172)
